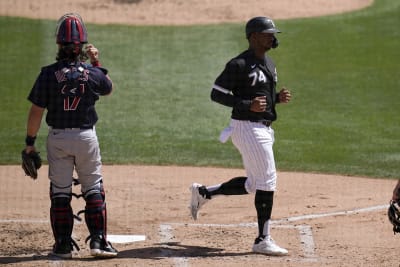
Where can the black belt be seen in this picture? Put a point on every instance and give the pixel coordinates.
(73, 128)
(267, 123)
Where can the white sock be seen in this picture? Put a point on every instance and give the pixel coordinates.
(266, 230)
(213, 188)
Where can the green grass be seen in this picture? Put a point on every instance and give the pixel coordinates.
(342, 71)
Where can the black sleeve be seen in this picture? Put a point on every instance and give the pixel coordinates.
(226, 82)
(230, 100)
(38, 94)
(99, 82)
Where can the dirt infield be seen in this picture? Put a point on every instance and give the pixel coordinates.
(177, 12)
(323, 220)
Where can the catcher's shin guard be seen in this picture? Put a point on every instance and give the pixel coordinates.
(96, 214)
(62, 218)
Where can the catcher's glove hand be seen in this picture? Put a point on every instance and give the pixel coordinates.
(394, 216)
(31, 163)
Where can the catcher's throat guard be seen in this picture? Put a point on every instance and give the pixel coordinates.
(394, 216)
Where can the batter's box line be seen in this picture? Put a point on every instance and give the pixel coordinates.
(305, 231)
(305, 234)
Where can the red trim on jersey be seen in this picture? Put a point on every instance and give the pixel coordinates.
(66, 103)
(75, 103)
(96, 63)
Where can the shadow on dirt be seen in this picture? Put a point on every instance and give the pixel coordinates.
(157, 252)
(178, 250)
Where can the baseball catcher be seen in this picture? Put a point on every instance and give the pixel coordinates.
(68, 89)
(394, 209)
(394, 216)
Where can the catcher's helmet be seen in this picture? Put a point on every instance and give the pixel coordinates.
(394, 216)
(71, 29)
(260, 24)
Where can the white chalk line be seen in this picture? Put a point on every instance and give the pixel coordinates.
(305, 231)
(321, 215)
(166, 236)
(24, 221)
(292, 219)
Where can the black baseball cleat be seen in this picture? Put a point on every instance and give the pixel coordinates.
(63, 248)
(101, 248)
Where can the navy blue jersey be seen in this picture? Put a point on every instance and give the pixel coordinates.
(69, 91)
(244, 78)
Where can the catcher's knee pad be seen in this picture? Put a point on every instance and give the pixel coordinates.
(96, 212)
(263, 202)
(62, 192)
(62, 218)
(95, 189)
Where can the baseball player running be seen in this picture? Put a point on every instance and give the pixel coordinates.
(248, 86)
(68, 89)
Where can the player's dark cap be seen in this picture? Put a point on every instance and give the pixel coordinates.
(71, 29)
(260, 24)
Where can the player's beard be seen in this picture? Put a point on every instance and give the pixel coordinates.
(266, 45)
(270, 43)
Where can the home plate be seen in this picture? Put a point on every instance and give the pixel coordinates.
(125, 238)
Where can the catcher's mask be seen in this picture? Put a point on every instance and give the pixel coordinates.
(71, 29)
(394, 216)
(262, 24)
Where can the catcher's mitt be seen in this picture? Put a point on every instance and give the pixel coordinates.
(394, 216)
(31, 163)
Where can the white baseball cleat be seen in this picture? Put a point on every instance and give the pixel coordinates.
(197, 200)
(269, 247)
